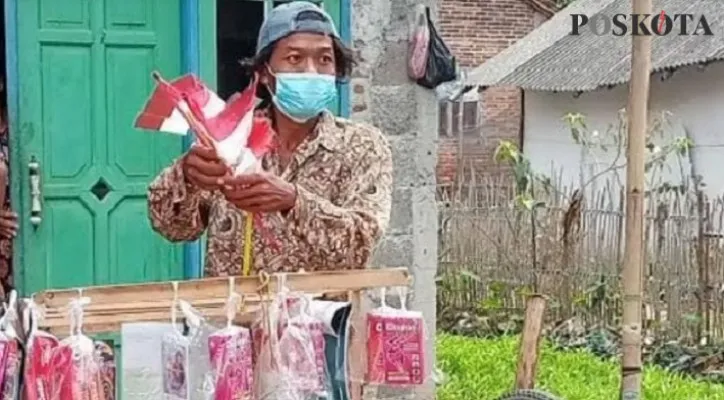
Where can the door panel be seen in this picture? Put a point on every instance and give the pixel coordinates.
(75, 119)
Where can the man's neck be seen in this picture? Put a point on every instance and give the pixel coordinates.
(290, 133)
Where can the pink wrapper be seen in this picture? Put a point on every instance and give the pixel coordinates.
(395, 348)
(309, 370)
(230, 352)
(38, 367)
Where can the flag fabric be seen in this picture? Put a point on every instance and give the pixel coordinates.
(240, 139)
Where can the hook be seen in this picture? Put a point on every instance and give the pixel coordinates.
(264, 279)
(76, 312)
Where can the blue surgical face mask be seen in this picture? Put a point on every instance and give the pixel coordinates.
(302, 96)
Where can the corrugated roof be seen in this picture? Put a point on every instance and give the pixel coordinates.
(550, 59)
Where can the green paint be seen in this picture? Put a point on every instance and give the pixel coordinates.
(84, 73)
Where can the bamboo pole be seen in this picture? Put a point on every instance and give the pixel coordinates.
(631, 365)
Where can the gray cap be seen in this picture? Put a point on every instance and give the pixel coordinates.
(294, 17)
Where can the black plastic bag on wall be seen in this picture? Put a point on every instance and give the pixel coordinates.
(441, 64)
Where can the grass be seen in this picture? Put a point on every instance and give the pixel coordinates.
(485, 369)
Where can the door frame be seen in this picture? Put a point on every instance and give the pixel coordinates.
(17, 189)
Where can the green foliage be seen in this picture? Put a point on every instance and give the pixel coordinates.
(485, 369)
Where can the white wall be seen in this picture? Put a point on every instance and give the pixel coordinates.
(694, 96)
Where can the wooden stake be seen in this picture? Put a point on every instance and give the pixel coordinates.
(637, 114)
(529, 342)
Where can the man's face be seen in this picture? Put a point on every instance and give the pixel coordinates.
(302, 52)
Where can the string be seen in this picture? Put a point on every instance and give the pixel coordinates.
(232, 303)
(402, 293)
(174, 302)
(248, 244)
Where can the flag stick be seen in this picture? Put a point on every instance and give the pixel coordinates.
(632, 274)
(206, 140)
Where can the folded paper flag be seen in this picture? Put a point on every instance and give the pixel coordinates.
(186, 104)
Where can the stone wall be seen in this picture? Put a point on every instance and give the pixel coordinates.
(383, 95)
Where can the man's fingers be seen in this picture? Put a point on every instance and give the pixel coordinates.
(206, 153)
(213, 169)
(258, 204)
(203, 181)
(246, 180)
(8, 214)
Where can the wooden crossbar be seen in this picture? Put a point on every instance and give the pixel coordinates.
(114, 305)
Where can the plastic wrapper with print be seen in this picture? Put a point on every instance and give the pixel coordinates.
(289, 351)
(10, 368)
(39, 351)
(231, 361)
(75, 365)
(395, 346)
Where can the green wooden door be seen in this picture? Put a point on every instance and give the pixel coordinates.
(84, 72)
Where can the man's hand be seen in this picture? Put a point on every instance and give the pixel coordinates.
(8, 224)
(203, 168)
(263, 192)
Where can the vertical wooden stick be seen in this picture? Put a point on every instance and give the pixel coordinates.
(529, 342)
(637, 114)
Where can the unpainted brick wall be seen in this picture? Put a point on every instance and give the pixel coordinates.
(476, 30)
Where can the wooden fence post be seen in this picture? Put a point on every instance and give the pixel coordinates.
(529, 342)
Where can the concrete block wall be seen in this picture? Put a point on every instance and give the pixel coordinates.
(383, 95)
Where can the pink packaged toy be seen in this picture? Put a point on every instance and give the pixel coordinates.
(395, 346)
(230, 353)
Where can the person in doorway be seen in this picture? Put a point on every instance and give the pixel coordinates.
(325, 193)
(8, 218)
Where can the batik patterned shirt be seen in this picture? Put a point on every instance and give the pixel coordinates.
(343, 176)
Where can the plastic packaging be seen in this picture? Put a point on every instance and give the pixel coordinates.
(441, 65)
(107, 361)
(75, 368)
(419, 46)
(289, 350)
(40, 346)
(395, 345)
(11, 370)
(230, 354)
(175, 359)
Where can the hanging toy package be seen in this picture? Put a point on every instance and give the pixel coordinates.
(39, 350)
(75, 370)
(200, 380)
(75, 365)
(302, 344)
(175, 359)
(230, 354)
(9, 340)
(289, 349)
(107, 360)
(395, 345)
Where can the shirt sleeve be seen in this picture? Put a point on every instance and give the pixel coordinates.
(344, 237)
(177, 210)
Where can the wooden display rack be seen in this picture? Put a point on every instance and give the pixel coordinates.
(112, 306)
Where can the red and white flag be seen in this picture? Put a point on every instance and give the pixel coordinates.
(177, 107)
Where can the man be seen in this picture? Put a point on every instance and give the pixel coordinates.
(325, 193)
